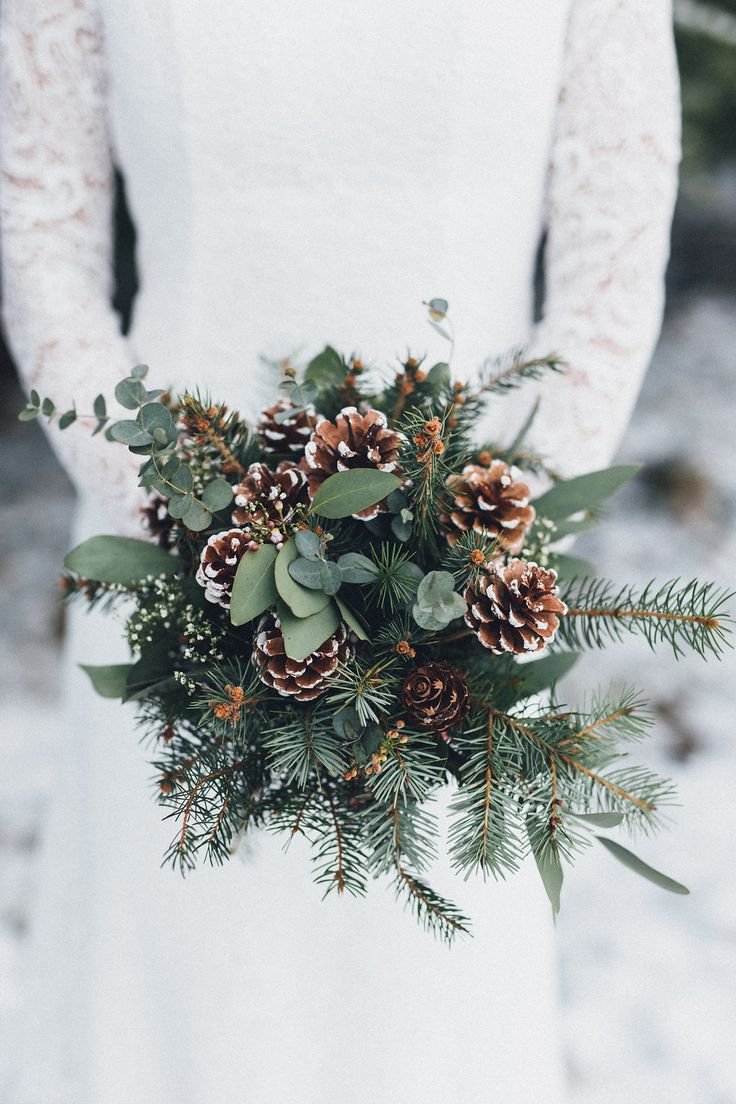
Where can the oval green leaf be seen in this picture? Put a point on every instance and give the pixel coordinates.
(254, 588)
(349, 492)
(628, 858)
(303, 635)
(109, 681)
(120, 560)
(583, 492)
(218, 494)
(302, 601)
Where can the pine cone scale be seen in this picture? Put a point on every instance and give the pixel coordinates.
(514, 607)
(306, 679)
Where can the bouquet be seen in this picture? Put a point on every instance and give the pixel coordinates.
(331, 617)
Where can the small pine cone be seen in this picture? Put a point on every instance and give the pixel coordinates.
(219, 562)
(514, 607)
(158, 521)
(490, 500)
(303, 679)
(268, 499)
(435, 696)
(285, 437)
(353, 440)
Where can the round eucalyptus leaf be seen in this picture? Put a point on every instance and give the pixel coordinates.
(217, 495)
(197, 518)
(155, 416)
(129, 432)
(131, 393)
(308, 544)
(330, 576)
(140, 371)
(179, 505)
(356, 568)
(307, 572)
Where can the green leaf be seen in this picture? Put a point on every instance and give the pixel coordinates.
(437, 308)
(571, 567)
(326, 370)
(440, 330)
(352, 620)
(628, 858)
(331, 577)
(47, 408)
(303, 635)
(309, 544)
(197, 518)
(180, 505)
(550, 871)
(129, 432)
(182, 479)
(572, 528)
(583, 492)
(438, 376)
(349, 492)
(120, 560)
(520, 437)
(131, 393)
(218, 494)
(28, 414)
(153, 416)
(100, 407)
(439, 616)
(307, 572)
(151, 672)
(600, 820)
(356, 568)
(254, 588)
(436, 586)
(542, 673)
(301, 601)
(35, 398)
(109, 681)
(140, 371)
(67, 419)
(401, 528)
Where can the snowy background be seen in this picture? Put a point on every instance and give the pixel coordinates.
(648, 978)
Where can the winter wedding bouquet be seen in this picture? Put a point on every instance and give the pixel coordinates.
(329, 620)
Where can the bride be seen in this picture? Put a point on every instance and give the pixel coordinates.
(300, 174)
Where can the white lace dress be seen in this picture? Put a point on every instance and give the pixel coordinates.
(302, 173)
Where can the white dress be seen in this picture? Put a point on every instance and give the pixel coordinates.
(301, 174)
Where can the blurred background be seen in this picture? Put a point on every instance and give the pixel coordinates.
(647, 979)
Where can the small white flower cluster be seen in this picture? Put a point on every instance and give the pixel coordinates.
(163, 610)
(186, 681)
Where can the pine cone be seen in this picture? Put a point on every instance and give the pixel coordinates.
(435, 696)
(285, 437)
(303, 679)
(353, 440)
(219, 562)
(268, 499)
(157, 520)
(490, 500)
(514, 607)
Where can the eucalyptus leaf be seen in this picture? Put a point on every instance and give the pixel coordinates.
(197, 518)
(400, 528)
(179, 505)
(330, 576)
(628, 858)
(302, 601)
(140, 371)
(28, 414)
(440, 330)
(160, 436)
(155, 416)
(326, 370)
(68, 418)
(120, 560)
(599, 820)
(35, 398)
(129, 432)
(307, 572)
(304, 635)
(356, 568)
(585, 491)
(438, 308)
(254, 588)
(352, 620)
(438, 376)
(550, 871)
(434, 587)
(131, 393)
(171, 469)
(217, 495)
(182, 479)
(571, 567)
(109, 681)
(308, 544)
(346, 723)
(349, 492)
(540, 674)
(100, 407)
(47, 408)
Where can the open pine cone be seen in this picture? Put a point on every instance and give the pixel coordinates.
(490, 500)
(266, 498)
(285, 437)
(435, 695)
(219, 562)
(303, 679)
(514, 607)
(353, 440)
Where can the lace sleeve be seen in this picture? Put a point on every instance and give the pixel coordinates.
(55, 203)
(611, 191)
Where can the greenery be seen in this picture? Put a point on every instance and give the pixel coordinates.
(344, 731)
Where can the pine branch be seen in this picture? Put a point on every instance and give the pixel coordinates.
(510, 371)
(692, 615)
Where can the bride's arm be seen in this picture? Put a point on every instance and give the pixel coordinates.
(611, 192)
(55, 200)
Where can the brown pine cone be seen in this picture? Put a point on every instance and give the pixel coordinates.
(491, 500)
(285, 437)
(353, 440)
(303, 679)
(435, 695)
(219, 562)
(268, 499)
(514, 607)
